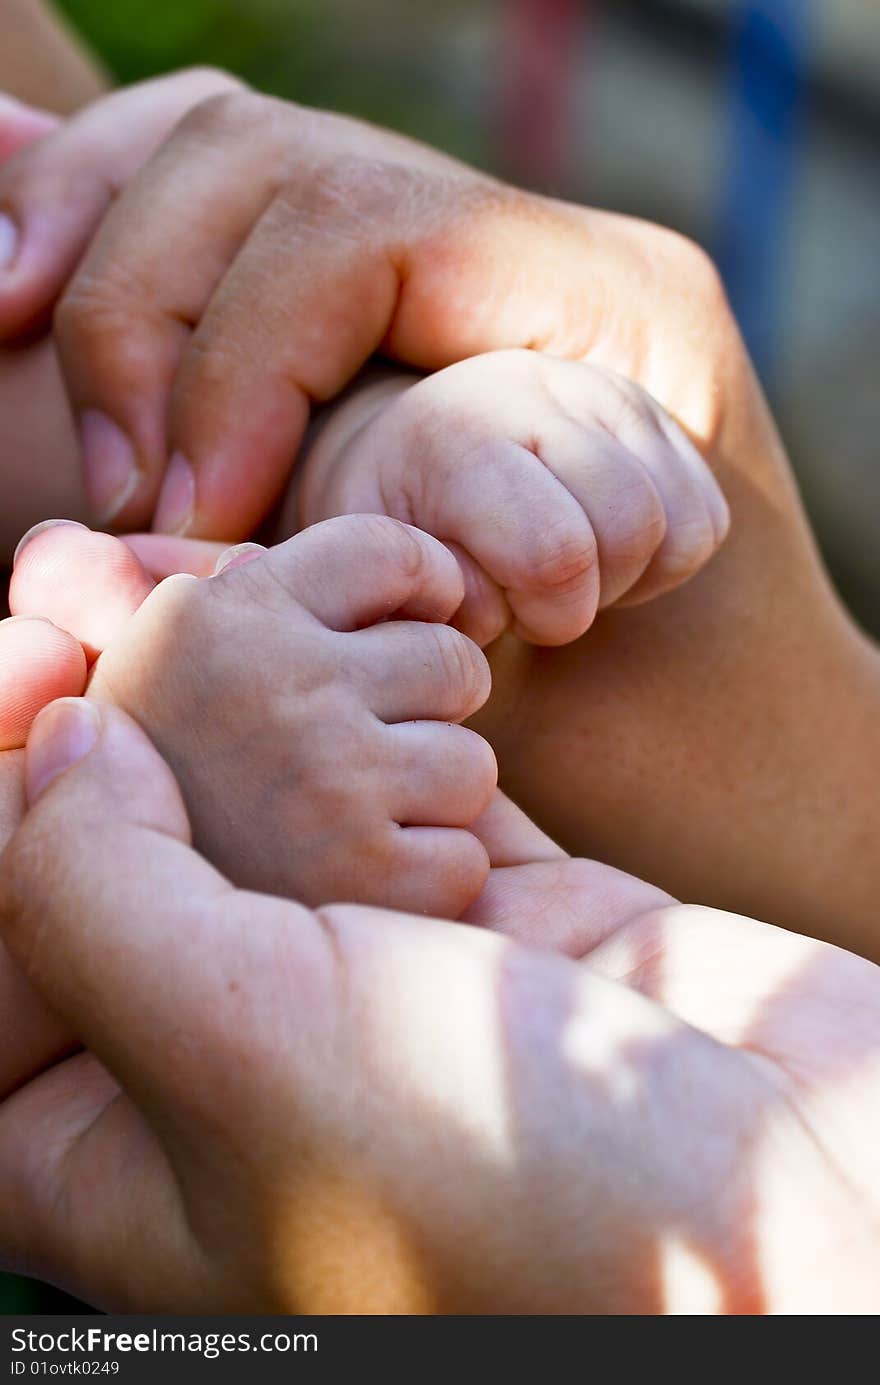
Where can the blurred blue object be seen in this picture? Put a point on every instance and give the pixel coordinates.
(769, 52)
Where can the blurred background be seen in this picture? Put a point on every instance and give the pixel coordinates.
(752, 126)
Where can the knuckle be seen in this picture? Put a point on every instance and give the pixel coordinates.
(356, 188)
(231, 111)
(639, 525)
(101, 306)
(695, 267)
(461, 668)
(480, 198)
(379, 538)
(691, 541)
(84, 308)
(634, 415)
(404, 543)
(211, 359)
(562, 558)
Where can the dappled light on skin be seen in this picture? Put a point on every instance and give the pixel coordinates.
(460, 1087)
(611, 1044)
(811, 1222)
(702, 964)
(665, 1126)
(340, 1248)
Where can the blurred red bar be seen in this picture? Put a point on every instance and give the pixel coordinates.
(543, 50)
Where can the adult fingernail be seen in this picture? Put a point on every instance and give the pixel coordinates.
(38, 529)
(238, 556)
(62, 734)
(109, 465)
(176, 498)
(8, 241)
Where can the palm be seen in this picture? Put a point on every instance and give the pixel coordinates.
(666, 1110)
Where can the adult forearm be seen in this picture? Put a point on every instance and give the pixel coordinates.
(728, 752)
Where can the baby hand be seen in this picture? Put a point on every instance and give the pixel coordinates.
(305, 697)
(563, 487)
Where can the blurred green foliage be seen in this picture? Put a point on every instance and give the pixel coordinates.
(271, 39)
(368, 61)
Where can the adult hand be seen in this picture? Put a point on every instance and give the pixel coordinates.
(49, 202)
(65, 176)
(736, 698)
(356, 1111)
(303, 242)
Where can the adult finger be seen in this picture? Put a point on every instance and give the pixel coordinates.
(53, 194)
(366, 241)
(570, 906)
(203, 191)
(541, 896)
(164, 555)
(100, 845)
(511, 838)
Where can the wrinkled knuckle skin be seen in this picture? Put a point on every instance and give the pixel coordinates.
(462, 669)
(95, 311)
(379, 538)
(561, 561)
(409, 550)
(693, 544)
(355, 187)
(639, 528)
(393, 541)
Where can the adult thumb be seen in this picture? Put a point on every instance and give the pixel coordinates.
(103, 903)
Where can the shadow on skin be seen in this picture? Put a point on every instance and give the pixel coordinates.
(684, 1167)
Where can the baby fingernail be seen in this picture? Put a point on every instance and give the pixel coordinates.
(38, 529)
(720, 512)
(177, 498)
(62, 734)
(109, 466)
(238, 556)
(8, 241)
